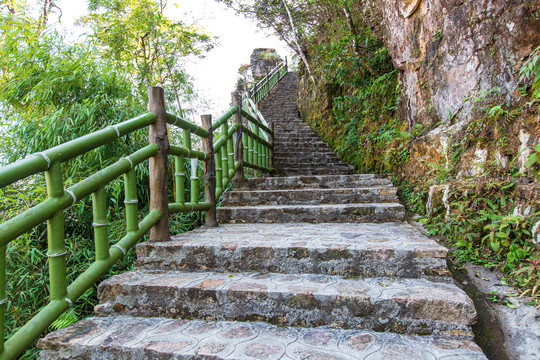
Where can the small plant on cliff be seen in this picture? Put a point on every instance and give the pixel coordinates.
(530, 72)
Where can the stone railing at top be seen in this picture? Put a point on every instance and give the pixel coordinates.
(241, 144)
(267, 83)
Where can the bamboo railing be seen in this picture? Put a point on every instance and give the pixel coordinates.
(246, 140)
(267, 83)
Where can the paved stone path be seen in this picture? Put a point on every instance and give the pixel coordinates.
(120, 337)
(300, 272)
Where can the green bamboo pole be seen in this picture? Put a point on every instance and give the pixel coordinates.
(47, 315)
(39, 162)
(186, 142)
(224, 166)
(251, 149)
(254, 121)
(23, 222)
(230, 155)
(179, 179)
(194, 182)
(224, 150)
(130, 202)
(186, 125)
(101, 226)
(223, 118)
(189, 207)
(56, 236)
(219, 171)
(3, 297)
(253, 135)
(256, 147)
(187, 153)
(245, 143)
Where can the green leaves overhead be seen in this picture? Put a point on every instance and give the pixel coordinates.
(139, 37)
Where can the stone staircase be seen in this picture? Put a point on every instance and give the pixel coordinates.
(310, 266)
(298, 150)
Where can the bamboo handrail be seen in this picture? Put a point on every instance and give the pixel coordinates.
(241, 144)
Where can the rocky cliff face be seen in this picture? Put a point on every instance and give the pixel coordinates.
(458, 68)
(449, 51)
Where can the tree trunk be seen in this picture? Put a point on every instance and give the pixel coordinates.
(295, 38)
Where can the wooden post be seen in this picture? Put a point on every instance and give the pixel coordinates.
(238, 144)
(209, 172)
(271, 150)
(158, 164)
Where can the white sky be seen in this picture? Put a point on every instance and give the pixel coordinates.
(215, 76)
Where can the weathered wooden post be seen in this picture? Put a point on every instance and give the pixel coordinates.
(209, 172)
(238, 144)
(271, 150)
(158, 164)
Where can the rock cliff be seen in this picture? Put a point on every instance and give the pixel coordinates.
(448, 51)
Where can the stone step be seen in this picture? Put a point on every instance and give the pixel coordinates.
(354, 249)
(406, 306)
(306, 166)
(293, 171)
(297, 139)
(308, 156)
(316, 181)
(288, 149)
(297, 164)
(134, 338)
(310, 196)
(324, 213)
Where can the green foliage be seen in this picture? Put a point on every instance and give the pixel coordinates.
(138, 37)
(530, 72)
(482, 228)
(53, 92)
(534, 160)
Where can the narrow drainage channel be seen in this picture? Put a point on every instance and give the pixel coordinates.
(487, 330)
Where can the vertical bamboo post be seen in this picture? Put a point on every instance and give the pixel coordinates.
(158, 164)
(238, 144)
(101, 226)
(245, 145)
(271, 149)
(179, 179)
(130, 202)
(56, 236)
(3, 297)
(219, 171)
(194, 181)
(224, 155)
(209, 173)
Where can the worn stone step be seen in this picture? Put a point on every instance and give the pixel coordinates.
(405, 306)
(316, 181)
(324, 213)
(290, 150)
(353, 249)
(310, 196)
(134, 338)
(311, 156)
(313, 171)
(302, 166)
(311, 165)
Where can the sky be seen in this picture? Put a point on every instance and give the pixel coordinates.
(215, 76)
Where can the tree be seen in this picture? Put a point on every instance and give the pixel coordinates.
(291, 21)
(138, 37)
